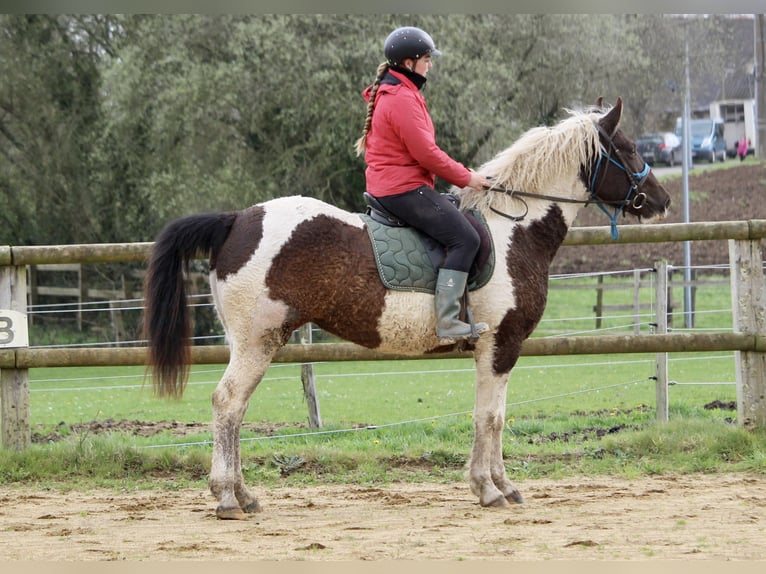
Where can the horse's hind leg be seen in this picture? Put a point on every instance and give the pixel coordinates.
(230, 401)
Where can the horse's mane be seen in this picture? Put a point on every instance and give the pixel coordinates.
(541, 155)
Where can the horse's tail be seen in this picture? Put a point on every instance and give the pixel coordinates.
(166, 318)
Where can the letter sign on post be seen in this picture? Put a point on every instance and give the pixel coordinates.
(13, 329)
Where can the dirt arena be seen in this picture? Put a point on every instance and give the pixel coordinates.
(700, 517)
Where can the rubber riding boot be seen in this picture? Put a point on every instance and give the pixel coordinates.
(450, 285)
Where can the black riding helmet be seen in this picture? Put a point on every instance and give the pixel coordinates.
(408, 42)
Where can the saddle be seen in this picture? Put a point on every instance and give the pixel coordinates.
(408, 260)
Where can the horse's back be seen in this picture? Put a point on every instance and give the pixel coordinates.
(298, 259)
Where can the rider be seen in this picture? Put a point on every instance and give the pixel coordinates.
(399, 146)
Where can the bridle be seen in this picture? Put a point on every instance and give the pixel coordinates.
(634, 197)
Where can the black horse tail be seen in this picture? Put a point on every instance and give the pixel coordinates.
(166, 318)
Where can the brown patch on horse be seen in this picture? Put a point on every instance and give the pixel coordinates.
(326, 272)
(528, 262)
(243, 240)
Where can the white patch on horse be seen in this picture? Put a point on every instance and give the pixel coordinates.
(281, 216)
(408, 323)
(246, 288)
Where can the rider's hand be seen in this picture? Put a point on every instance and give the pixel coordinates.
(478, 181)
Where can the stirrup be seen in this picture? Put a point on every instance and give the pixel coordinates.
(475, 331)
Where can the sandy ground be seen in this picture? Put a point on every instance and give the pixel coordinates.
(697, 517)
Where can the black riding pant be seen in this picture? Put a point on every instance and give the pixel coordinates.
(432, 213)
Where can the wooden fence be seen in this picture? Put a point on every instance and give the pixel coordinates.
(748, 339)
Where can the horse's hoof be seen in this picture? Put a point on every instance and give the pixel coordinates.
(230, 513)
(515, 496)
(498, 502)
(253, 507)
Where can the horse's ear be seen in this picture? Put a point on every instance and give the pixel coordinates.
(612, 119)
(600, 102)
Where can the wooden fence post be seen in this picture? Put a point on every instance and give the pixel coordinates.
(14, 383)
(599, 301)
(309, 384)
(749, 314)
(661, 359)
(636, 301)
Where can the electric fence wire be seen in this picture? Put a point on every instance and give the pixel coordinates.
(390, 425)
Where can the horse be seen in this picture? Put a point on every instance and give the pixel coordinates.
(279, 264)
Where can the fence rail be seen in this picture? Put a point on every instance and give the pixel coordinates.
(748, 305)
(328, 352)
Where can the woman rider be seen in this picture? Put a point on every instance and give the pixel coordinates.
(399, 146)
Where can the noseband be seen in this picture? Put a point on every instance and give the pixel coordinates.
(634, 197)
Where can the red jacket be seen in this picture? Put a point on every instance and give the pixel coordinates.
(401, 151)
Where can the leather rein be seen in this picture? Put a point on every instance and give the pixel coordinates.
(634, 196)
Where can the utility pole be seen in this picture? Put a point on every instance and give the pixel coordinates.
(760, 85)
(685, 167)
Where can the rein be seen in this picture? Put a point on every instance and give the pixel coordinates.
(635, 179)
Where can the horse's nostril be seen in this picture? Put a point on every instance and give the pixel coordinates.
(667, 204)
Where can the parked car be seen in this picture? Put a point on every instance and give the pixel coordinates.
(662, 147)
(707, 138)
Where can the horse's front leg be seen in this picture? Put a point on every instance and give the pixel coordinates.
(230, 401)
(488, 419)
(497, 464)
(486, 469)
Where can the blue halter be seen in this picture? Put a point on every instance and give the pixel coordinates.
(635, 178)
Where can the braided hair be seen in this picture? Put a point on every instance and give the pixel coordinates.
(361, 142)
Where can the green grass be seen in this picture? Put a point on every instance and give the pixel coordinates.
(386, 392)
(407, 420)
(435, 450)
(410, 421)
(376, 393)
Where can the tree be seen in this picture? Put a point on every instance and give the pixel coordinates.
(111, 125)
(49, 108)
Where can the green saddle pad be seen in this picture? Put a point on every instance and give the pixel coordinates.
(403, 262)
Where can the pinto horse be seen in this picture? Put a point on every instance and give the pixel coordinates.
(277, 265)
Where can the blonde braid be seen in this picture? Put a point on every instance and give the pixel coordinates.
(361, 142)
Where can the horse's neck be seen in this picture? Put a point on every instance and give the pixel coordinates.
(570, 210)
(544, 227)
(544, 162)
(571, 191)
